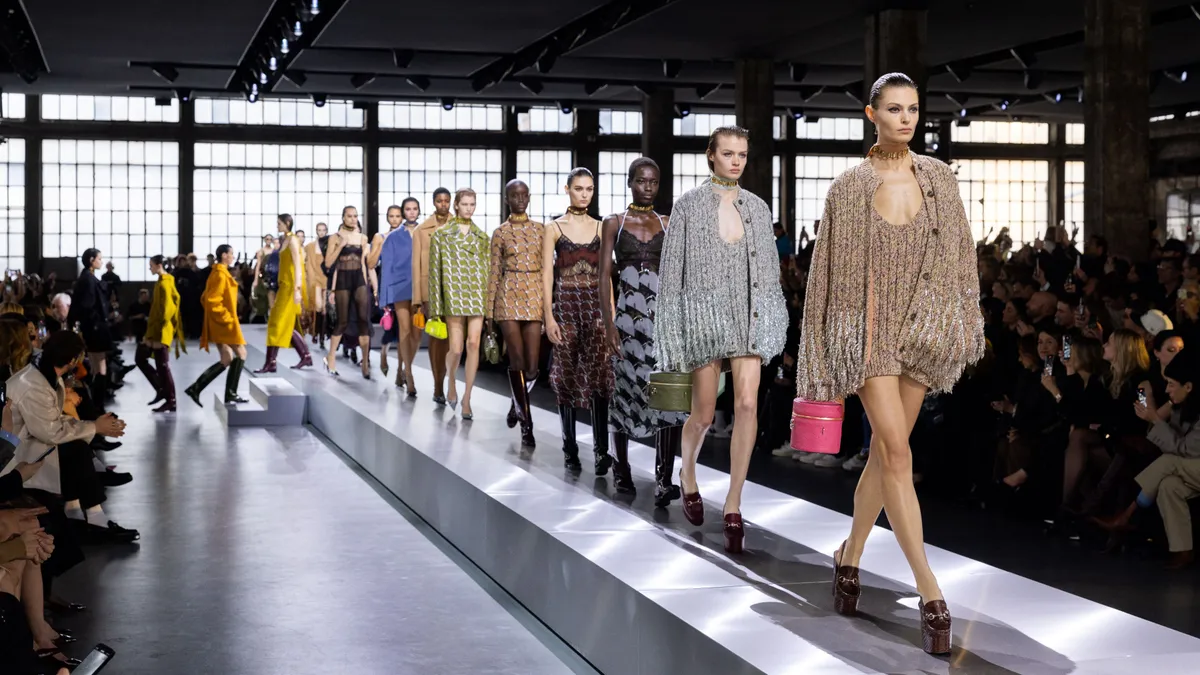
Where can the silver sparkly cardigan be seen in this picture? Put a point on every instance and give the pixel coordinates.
(943, 330)
(702, 302)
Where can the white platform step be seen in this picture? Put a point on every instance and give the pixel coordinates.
(274, 402)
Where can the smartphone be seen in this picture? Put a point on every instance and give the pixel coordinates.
(1066, 346)
(95, 661)
(1141, 396)
(45, 454)
(1049, 369)
(1181, 294)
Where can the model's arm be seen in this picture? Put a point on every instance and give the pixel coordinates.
(495, 272)
(176, 319)
(418, 270)
(549, 239)
(214, 299)
(608, 239)
(297, 267)
(333, 249)
(376, 249)
(669, 339)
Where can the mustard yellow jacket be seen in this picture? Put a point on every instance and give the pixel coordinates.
(165, 320)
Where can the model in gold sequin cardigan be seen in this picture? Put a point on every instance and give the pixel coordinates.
(944, 326)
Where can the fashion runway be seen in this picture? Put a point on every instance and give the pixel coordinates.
(639, 590)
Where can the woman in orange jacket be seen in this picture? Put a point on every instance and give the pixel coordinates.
(221, 328)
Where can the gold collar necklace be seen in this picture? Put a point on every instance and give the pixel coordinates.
(879, 152)
(722, 182)
(518, 217)
(576, 210)
(640, 208)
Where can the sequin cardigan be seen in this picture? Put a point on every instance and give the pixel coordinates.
(944, 331)
(699, 293)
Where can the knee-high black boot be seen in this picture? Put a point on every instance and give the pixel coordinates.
(566, 414)
(166, 382)
(622, 474)
(321, 328)
(600, 435)
(667, 442)
(232, 379)
(141, 357)
(203, 381)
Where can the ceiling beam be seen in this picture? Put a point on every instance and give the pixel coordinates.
(254, 66)
(20, 50)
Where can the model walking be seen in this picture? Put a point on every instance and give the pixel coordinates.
(514, 299)
(314, 277)
(393, 253)
(720, 299)
(221, 328)
(458, 275)
(636, 237)
(347, 259)
(283, 324)
(901, 305)
(89, 315)
(580, 372)
(163, 326)
(422, 242)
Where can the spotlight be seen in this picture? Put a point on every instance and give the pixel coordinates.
(958, 72)
(360, 80)
(703, 91)
(1026, 57)
(796, 113)
(1176, 76)
(403, 57)
(683, 110)
(166, 72)
(1004, 104)
(283, 47)
(1053, 97)
(1033, 79)
(447, 104)
(298, 29)
(671, 68)
(252, 97)
(592, 87)
(273, 64)
(565, 107)
(534, 87)
(184, 95)
(262, 77)
(934, 147)
(419, 81)
(319, 100)
(254, 89)
(162, 100)
(799, 72)
(962, 113)
(314, 8)
(297, 77)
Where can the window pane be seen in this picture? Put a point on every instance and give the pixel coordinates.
(12, 202)
(404, 115)
(279, 112)
(417, 172)
(107, 109)
(551, 120)
(814, 175)
(983, 131)
(613, 195)
(830, 129)
(13, 106)
(545, 171)
(620, 122)
(1009, 193)
(702, 124)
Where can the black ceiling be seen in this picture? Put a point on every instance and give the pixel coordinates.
(105, 48)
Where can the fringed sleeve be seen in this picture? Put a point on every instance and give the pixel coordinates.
(968, 260)
(812, 367)
(669, 338)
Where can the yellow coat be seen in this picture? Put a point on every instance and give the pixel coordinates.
(221, 325)
(165, 320)
(285, 314)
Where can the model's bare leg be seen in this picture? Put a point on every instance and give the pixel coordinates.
(404, 342)
(746, 373)
(437, 363)
(704, 404)
(456, 337)
(474, 334)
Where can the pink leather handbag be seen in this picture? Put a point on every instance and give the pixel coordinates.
(817, 426)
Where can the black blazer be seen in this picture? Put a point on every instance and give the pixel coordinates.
(89, 305)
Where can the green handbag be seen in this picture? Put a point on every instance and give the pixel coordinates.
(672, 392)
(491, 349)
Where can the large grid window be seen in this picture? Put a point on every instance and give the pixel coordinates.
(776, 181)
(814, 175)
(12, 204)
(241, 188)
(107, 109)
(121, 197)
(12, 106)
(620, 121)
(1075, 133)
(1183, 211)
(546, 120)
(831, 129)
(691, 169)
(278, 112)
(545, 171)
(983, 131)
(417, 172)
(1073, 195)
(702, 124)
(1005, 193)
(613, 195)
(467, 117)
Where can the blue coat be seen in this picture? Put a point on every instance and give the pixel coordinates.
(395, 269)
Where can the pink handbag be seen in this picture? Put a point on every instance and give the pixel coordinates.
(817, 426)
(388, 319)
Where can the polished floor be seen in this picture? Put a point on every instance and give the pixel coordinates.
(771, 605)
(263, 552)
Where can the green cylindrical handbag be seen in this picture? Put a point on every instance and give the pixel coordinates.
(672, 392)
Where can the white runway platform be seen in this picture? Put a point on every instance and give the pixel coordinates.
(640, 591)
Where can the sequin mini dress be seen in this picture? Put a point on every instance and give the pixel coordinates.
(891, 290)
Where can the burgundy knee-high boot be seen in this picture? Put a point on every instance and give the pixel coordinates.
(302, 350)
(269, 365)
(166, 381)
(142, 358)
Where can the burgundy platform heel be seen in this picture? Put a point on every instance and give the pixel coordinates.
(693, 505)
(735, 533)
(935, 627)
(846, 587)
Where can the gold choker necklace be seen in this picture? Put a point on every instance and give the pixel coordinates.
(518, 217)
(460, 221)
(722, 183)
(641, 209)
(576, 211)
(879, 152)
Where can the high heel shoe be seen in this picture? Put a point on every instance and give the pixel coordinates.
(735, 533)
(935, 627)
(383, 368)
(846, 588)
(693, 505)
(331, 371)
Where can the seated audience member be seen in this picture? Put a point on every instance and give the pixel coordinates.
(1173, 478)
(1030, 416)
(60, 309)
(1187, 311)
(1167, 345)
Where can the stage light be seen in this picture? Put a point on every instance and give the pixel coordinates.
(319, 100)
(797, 113)
(1176, 76)
(252, 97)
(962, 112)
(566, 108)
(1053, 97)
(298, 29)
(314, 8)
(184, 95)
(1033, 79)
(683, 110)
(262, 77)
(1004, 104)
(273, 64)
(283, 47)
(447, 104)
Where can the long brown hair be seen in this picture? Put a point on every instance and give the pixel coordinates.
(1129, 357)
(15, 347)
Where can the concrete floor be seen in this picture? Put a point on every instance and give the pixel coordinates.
(263, 552)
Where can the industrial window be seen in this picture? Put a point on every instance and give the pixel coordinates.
(107, 109)
(983, 131)
(121, 197)
(1005, 193)
(12, 203)
(241, 188)
(1075, 133)
(467, 117)
(12, 106)
(545, 171)
(546, 120)
(690, 170)
(702, 124)
(1073, 197)
(278, 112)
(620, 121)
(613, 195)
(830, 129)
(814, 175)
(1183, 212)
(417, 172)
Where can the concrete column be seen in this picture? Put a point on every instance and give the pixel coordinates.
(895, 42)
(1116, 91)
(754, 105)
(658, 142)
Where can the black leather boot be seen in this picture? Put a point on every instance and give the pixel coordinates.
(566, 414)
(203, 381)
(520, 393)
(667, 442)
(622, 474)
(516, 386)
(600, 435)
(232, 379)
